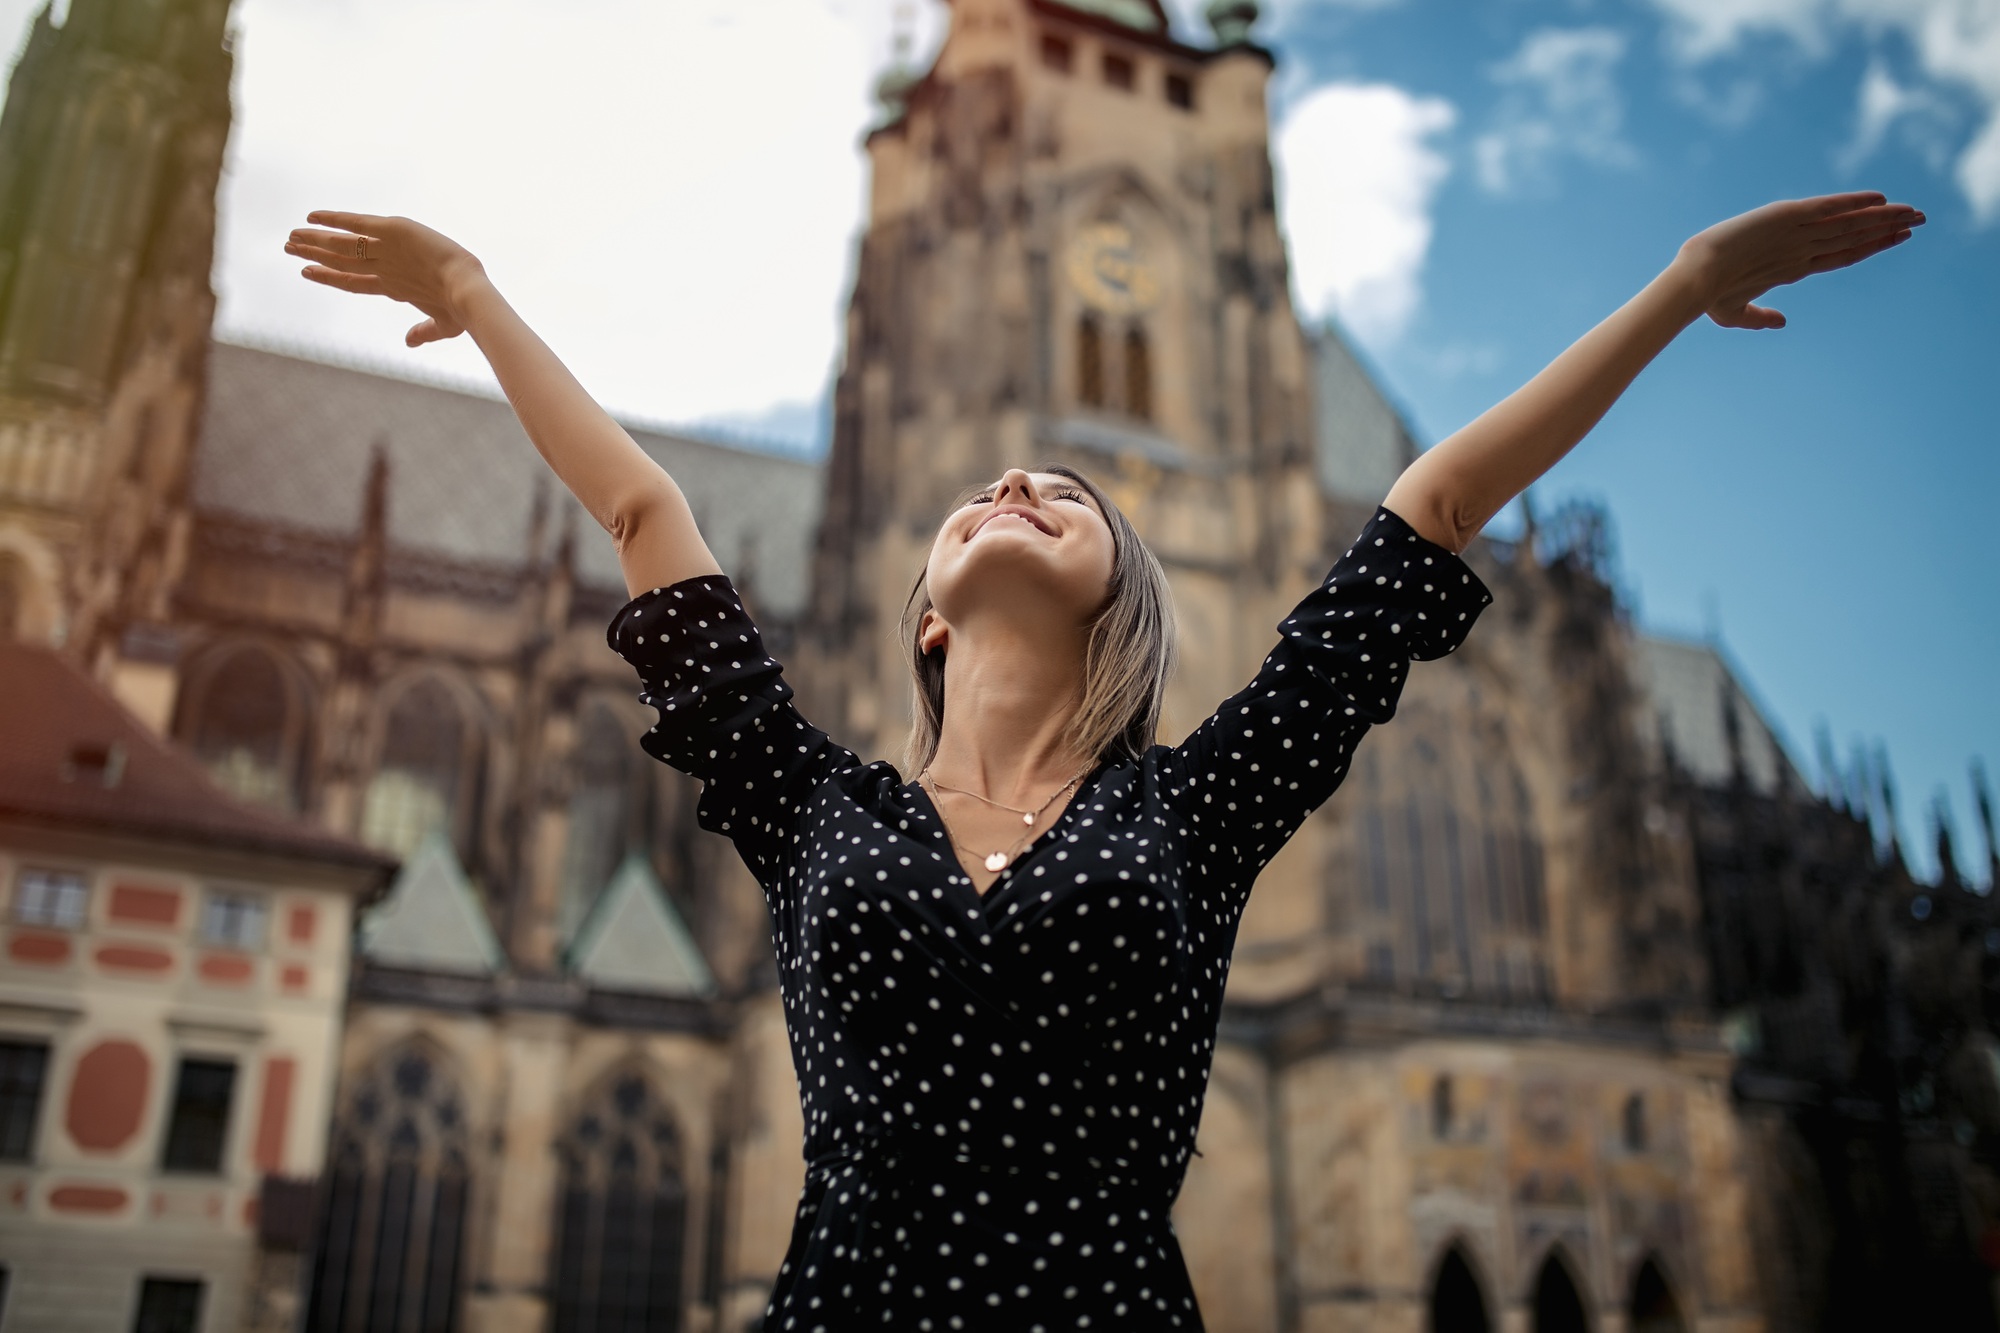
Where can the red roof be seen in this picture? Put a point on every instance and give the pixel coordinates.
(72, 755)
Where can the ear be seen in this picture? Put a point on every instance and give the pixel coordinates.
(932, 633)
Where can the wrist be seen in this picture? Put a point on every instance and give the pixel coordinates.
(1688, 284)
(466, 285)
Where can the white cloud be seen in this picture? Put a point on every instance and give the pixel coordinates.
(1561, 100)
(1881, 105)
(1955, 45)
(1359, 171)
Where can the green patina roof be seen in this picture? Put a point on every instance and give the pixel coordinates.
(1145, 15)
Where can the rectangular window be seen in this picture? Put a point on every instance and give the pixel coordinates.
(1180, 91)
(59, 898)
(23, 1065)
(1057, 53)
(233, 921)
(1119, 71)
(198, 1127)
(168, 1305)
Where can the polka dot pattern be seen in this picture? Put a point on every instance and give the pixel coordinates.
(1001, 1092)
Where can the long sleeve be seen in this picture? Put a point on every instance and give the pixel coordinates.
(1276, 750)
(726, 717)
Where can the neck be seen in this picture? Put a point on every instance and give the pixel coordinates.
(1010, 692)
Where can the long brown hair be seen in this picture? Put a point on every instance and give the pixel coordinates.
(1126, 661)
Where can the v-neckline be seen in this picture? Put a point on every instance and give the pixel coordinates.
(1006, 875)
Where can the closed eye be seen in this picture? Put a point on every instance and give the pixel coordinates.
(1056, 493)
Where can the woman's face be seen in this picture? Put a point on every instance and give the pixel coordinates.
(1032, 546)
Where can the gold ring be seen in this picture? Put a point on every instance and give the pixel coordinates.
(361, 247)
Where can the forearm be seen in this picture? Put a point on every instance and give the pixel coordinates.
(628, 493)
(1451, 491)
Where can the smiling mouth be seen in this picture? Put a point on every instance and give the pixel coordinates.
(1032, 519)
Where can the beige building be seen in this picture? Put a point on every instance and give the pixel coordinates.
(171, 989)
(1469, 1073)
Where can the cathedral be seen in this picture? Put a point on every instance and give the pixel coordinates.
(1577, 1008)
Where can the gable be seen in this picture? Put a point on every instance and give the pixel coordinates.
(634, 940)
(431, 919)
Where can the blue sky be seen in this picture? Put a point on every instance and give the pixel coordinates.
(1468, 185)
(1822, 497)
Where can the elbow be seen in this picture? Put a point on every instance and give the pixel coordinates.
(630, 515)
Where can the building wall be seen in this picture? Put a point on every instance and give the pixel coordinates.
(119, 1001)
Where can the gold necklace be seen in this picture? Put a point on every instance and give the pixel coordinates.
(995, 861)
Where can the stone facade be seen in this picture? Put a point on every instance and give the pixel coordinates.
(1473, 1071)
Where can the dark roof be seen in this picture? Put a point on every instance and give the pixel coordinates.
(287, 441)
(74, 757)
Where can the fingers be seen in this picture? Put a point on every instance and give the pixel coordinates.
(424, 331)
(1832, 205)
(1885, 217)
(362, 284)
(366, 223)
(1832, 260)
(342, 259)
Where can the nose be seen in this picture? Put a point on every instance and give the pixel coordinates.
(1016, 487)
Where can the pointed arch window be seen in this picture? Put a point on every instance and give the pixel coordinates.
(1558, 1305)
(601, 810)
(1458, 1305)
(621, 1221)
(427, 772)
(1138, 374)
(389, 1255)
(1654, 1308)
(1089, 362)
(248, 725)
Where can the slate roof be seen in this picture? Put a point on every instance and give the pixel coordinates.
(74, 757)
(287, 441)
(1690, 686)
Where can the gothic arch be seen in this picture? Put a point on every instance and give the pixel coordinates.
(1437, 865)
(246, 711)
(1652, 1305)
(390, 1255)
(1556, 1302)
(1457, 1299)
(608, 804)
(432, 743)
(620, 1230)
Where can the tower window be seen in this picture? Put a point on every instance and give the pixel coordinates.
(1180, 91)
(1057, 53)
(199, 1125)
(1138, 374)
(1119, 71)
(1635, 1123)
(22, 1068)
(1443, 1113)
(1089, 362)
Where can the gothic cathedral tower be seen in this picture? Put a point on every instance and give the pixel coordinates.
(110, 152)
(1072, 253)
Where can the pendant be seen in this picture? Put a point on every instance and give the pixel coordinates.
(996, 861)
(1029, 820)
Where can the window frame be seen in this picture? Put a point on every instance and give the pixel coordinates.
(236, 905)
(35, 1106)
(1058, 53)
(1119, 71)
(1178, 88)
(18, 912)
(224, 1133)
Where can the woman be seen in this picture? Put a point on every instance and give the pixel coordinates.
(1002, 980)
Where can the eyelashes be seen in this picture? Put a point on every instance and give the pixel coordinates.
(1054, 493)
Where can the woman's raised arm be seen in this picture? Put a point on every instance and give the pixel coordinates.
(622, 487)
(1450, 492)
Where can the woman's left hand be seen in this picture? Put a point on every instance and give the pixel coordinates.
(1735, 262)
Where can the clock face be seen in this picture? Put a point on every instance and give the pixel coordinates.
(1109, 272)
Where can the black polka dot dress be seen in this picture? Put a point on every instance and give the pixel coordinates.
(1001, 1093)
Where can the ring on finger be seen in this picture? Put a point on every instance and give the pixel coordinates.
(361, 247)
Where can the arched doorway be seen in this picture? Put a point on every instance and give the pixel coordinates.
(1654, 1309)
(1558, 1305)
(1457, 1303)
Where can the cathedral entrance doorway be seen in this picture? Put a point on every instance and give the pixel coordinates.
(1558, 1306)
(1457, 1304)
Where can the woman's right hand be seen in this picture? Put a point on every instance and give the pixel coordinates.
(393, 257)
